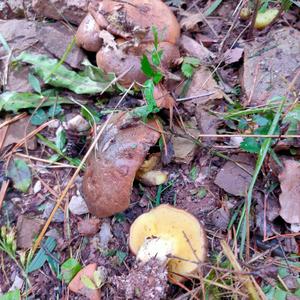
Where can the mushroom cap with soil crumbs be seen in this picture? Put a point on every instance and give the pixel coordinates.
(176, 230)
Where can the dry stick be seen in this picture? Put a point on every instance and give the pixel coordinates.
(14, 119)
(253, 294)
(70, 183)
(30, 135)
(3, 190)
(51, 163)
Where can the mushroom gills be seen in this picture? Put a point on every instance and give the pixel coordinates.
(157, 248)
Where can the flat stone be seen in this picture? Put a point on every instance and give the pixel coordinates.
(235, 177)
(55, 38)
(71, 10)
(270, 64)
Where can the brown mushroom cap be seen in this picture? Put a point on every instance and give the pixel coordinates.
(87, 35)
(176, 230)
(125, 16)
(118, 62)
(110, 172)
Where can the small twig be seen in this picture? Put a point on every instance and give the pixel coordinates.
(194, 97)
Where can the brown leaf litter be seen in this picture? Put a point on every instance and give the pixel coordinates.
(290, 190)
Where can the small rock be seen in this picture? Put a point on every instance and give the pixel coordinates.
(59, 215)
(27, 229)
(37, 187)
(88, 227)
(105, 235)
(17, 284)
(78, 123)
(54, 124)
(77, 286)
(73, 11)
(236, 141)
(232, 178)
(77, 206)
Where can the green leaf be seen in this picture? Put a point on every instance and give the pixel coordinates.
(187, 70)
(14, 101)
(149, 93)
(146, 66)
(54, 110)
(35, 83)
(90, 114)
(157, 77)
(212, 7)
(121, 256)
(41, 256)
(54, 265)
(193, 173)
(293, 115)
(202, 193)
(61, 139)
(88, 282)
(155, 36)
(95, 73)
(250, 145)
(69, 269)
(57, 75)
(13, 295)
(194, 61)
(280, 294)
(4, 43)
(20, 174)
(39, 117)
(156, 57)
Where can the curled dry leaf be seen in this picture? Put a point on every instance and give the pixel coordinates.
(110, 172)
(78, 286)
(290, 190)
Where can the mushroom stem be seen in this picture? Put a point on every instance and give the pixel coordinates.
(157, 248)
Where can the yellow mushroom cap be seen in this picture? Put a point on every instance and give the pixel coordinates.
(184, 237)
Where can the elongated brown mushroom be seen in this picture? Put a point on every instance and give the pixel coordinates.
(110, 171)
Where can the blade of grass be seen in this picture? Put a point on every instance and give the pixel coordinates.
(212, 7)
(252, 292)
(242, 226)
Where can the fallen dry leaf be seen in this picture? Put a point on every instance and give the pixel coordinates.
(290, 191)
(202, 83)
(17, 131)
(184, 147)
(234, 179)
(233, 55)
(77, 286)
(88, 227)
(27, 229)
(110, 172)
(193, 48)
